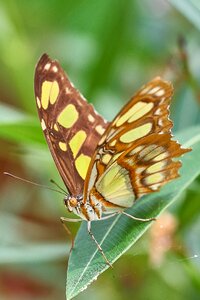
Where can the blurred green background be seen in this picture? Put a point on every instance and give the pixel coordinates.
(109, 48)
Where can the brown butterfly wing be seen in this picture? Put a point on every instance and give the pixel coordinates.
(71, 126)
(135, 155)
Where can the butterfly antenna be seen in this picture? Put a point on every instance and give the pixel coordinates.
(34, 183)
(58, 186)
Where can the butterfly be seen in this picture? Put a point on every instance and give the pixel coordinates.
(106, 167)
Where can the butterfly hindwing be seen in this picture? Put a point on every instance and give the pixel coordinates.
(135, 155)
(71, 126)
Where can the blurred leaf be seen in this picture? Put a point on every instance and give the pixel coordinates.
(108, 48)
(190, 9)
(188, 211)
(32, 253)
(118, 234)
(183, 116)
(192, 241)
(16, 126)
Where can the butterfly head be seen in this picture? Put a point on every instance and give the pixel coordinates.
(73, 203)
(87, 211)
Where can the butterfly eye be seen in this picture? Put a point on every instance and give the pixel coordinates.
(66, 201)
(79, 198)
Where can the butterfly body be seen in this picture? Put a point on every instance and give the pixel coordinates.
(106, 166)
(89, 211)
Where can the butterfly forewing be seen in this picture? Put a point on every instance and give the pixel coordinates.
(71, 126)
(135, 155)
(146, 112)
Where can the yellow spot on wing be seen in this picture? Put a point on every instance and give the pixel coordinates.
(68, 116)
(106, 158)
(50, 91)
(91, 118)
(47, 66)
(135, 150)
(150, 152)
(43, 125)
(54, 92)
(100, 129)
(46, 87)
(146, 89)
(67, 90)
(77, 141)
(154, 89)
(115, 157)
(102, 140)
(158, 111)
(63, 146)
(156, 167)
(112, 144)
(161, 156)
(141, 111)
(136, 133)
(135, 112)
(55, 69)
(160, 93)
(82, 164)
(55, 127)
(155, 178)
(38, 102)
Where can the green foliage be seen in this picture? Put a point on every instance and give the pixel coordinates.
(18, 127)
(109, 48)
(190, 9)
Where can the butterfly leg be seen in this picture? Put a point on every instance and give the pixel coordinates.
(63, 221)
(97, 244)
(138, 219)
(110, 216)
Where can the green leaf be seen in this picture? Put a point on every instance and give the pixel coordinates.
(190, 9)
(16, 126)
(118, 234)
(32, 253)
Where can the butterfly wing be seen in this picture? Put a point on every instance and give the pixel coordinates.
(135, 155)
(71, 126)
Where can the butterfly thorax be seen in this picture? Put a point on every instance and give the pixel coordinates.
(87, 211)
